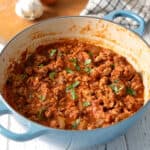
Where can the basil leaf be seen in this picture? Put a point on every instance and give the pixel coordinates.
(76, 123)
(115, 87)
(71, 89)
(86, 104)
(74, 60)
(24, 75)
(69, 70)
(72, 86)
(41, 65)
(112, 66)
(88, 70)
(60, 53)
(40, 113)
(116, 81)
(75, 84)
(52, 75)
(52, 52)
(75, 63)
(77, 67)
(73, 94)
(42, 97)
(87, 61)
(68, 88)
(130, 91)
(90, 54)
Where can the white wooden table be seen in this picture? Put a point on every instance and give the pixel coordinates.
(137, 138)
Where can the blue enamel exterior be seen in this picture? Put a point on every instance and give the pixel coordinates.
(33, 131)
(74, 139)
(124, 13)
(65, 138)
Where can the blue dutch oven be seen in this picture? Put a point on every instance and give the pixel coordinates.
(97, 31)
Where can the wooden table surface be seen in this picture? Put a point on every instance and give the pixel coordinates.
(137, 138)
(10, 23)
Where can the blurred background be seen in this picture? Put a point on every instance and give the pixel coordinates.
(10, 23)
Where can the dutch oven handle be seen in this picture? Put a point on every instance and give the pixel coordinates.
(32, 132)
(124, 13)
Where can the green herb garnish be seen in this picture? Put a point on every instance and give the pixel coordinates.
(68, 70)
(112, 66)
(52, 52)
(78, 67)
(76, 123)
(87, 61)
(73, 94)
(86, 104)
(24, 75)
(88, 70)
(42, 97)
(41, 65)
(40, 113)
(116, 81)
(115, 87)
(130, 91)
(71, 89)
(52, 75)
(60, 53)
(75, 63)
(72, 86)
(74, 60)
(90, 54)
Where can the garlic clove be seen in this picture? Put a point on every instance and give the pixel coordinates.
(29, 9)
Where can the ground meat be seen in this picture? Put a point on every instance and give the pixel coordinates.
(74, 85)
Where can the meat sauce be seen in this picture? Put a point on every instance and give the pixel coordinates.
(74, 85)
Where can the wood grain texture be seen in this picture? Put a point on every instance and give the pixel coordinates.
(10, 23)
(4, 141)
(117, 144)
(140, 138)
